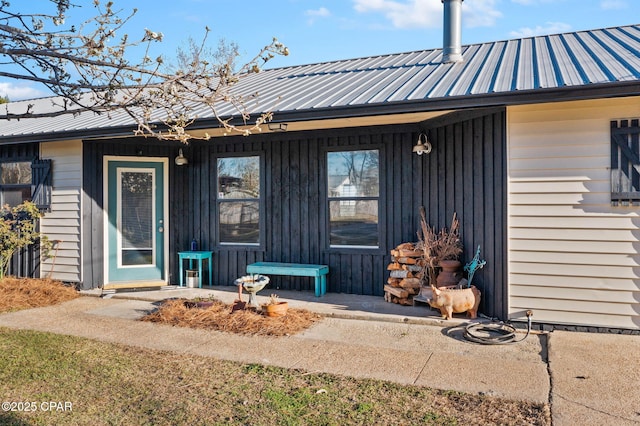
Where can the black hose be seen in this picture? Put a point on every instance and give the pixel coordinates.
(495, 333)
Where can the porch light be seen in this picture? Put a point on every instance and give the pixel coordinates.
(181, 160)
(423, 146)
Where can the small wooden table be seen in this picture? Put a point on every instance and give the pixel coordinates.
(319, 272)
(199, 256)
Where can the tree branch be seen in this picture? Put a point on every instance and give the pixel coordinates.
(108, 81)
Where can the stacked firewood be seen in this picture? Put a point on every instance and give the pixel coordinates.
(405, 274)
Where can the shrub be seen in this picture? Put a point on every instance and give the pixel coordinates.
(18, 230)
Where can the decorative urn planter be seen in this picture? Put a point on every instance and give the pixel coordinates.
(450, 273)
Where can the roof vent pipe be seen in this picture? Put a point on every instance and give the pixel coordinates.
(452, 39)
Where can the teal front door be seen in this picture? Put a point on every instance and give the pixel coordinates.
(136, 223)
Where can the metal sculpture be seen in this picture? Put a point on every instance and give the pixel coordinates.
(475, 264)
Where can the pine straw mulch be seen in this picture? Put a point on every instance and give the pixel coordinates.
(25, 293)
(222, 317)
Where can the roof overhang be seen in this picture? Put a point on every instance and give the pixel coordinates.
(409, 112)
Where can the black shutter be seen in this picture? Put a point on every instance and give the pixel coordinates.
(41, 178)
(625, 161)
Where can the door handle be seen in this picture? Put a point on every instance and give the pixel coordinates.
(161, 229)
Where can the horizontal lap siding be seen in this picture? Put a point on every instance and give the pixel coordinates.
(62, 223)
(573, 258)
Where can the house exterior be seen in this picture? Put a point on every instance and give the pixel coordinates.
(535, 147)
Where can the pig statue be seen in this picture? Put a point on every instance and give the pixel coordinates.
(455, 301)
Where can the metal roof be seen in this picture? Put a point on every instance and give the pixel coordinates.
(544, 68)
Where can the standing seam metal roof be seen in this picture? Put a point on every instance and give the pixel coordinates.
(561, 61)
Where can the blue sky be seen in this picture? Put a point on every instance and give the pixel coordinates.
(326, 30)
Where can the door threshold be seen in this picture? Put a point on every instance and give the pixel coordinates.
(133, 285)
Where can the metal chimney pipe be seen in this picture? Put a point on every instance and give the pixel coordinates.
(452, 38)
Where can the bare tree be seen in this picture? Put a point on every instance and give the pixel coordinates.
(359, 165)
(88, 67)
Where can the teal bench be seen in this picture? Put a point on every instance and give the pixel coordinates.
(319, 272)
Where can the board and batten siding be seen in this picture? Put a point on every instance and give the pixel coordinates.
(63, 222)
(573, 257)
(465, 173)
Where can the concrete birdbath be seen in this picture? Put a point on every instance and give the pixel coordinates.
(252, 284)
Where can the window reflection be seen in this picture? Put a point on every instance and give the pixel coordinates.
(239, 222)
(239, 177)
(353, 182)
(18, 173)
(238, 200)
(353, 174)
(354, 223)
(15, 182)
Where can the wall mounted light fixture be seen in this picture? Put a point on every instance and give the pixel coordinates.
(423, 146)
(277, 127)
(181, 160)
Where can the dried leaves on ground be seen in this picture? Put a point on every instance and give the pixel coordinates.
(221, 317)
(25, 293)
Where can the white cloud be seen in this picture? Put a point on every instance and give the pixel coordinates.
(428, 13)
(323, 12)
(411, 14)
(548, 28)
(532, 2)
(17, 92)
(613, 4)
(480, 13)
(314, 14)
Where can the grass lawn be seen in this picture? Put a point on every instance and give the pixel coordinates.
(106, 384)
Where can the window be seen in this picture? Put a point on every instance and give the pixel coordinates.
(137, 218)
(15, 182)
(239, 200)
(353, 195)
(625, 162)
